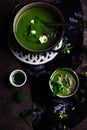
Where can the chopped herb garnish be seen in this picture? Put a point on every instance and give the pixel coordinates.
(73, 108)
(86, 73)
(63, 115)
(65, 47)
(65, 127)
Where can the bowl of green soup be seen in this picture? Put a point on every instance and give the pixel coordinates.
(30, 27)
(18, 78)
(64, 82)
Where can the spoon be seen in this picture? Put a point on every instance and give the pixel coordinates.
(77, 24)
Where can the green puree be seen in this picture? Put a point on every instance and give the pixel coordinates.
(63, 82)
(18, 78)
(31, 30)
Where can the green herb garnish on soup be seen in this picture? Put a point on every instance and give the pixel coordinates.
(63, 82)
(31, 29)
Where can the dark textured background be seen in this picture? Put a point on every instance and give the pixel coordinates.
(9, 108)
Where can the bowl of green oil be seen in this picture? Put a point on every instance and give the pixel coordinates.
(18, 78)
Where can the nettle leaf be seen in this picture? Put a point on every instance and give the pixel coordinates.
(28, 30)
(55, 88)
(26, 113)
(40, 20)
(19, 96)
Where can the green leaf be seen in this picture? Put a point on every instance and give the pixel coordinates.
(40, 20)
(28, 30)
(55, 88)
(26, 113)
(63, 115)
(19, 96)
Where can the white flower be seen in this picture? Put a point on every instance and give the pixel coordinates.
(33, 31)
(43, 39)
(32, 21)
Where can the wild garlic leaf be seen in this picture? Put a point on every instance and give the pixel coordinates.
(55, 88)
(28, 30)
(19, 96)
(40, 20)
(26, 113)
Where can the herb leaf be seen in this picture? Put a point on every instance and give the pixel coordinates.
(19, 96)
(55, 88)
(28, 29)
(26, 113)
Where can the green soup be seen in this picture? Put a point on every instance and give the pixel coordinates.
(63, 82)
(31, 30)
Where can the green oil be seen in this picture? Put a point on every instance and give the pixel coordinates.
(18, 78)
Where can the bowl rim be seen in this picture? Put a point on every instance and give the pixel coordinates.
(24, 8)
(76, 76)
(14, 72)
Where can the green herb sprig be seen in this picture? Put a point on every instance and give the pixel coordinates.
(25, 114)
(65, 48)
(55, 88)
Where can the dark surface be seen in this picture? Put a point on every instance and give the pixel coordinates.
(10, 109)
(46, 108)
